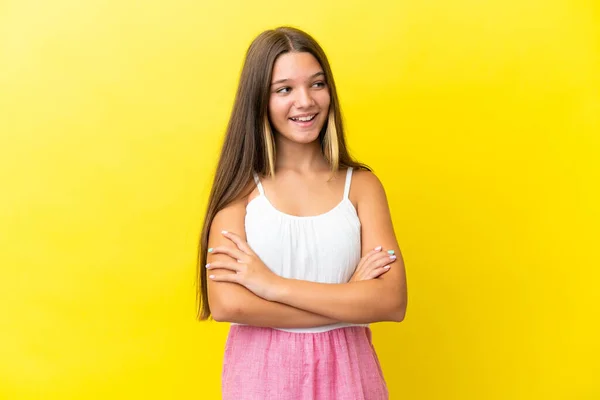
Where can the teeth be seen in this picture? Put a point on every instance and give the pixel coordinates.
(304, 119)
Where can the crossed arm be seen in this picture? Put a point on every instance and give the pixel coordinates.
(306, 304)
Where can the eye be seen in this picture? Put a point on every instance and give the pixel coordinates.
(319, 84)
(283, 90)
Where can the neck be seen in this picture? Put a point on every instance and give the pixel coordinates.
(300, 157)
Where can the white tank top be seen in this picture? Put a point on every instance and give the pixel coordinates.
(324, 248)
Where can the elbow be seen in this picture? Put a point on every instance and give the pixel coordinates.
(398, 311)
(224, 312)
(219, 315)
(398, 315)
(395, 308)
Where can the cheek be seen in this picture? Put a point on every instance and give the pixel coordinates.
(278, 109)
(324, 99)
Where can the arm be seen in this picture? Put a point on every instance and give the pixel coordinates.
(231, 302)
(382, 299)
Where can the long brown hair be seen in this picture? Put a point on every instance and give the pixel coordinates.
(249, 145)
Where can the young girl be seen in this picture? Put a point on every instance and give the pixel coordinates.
(298, 237)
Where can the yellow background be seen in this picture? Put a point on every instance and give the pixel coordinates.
(482, 119)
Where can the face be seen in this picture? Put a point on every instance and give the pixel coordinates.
(299, 101)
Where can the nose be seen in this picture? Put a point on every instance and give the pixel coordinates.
(304, 99)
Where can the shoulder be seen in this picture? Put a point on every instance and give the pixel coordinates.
(372, 208)
(236, 209)
(365, 184)
(368, 195)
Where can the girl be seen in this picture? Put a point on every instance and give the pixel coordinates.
(298, 237)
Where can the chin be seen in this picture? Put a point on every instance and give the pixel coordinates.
(303, 137)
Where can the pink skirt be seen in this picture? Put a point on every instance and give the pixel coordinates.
(270, 364)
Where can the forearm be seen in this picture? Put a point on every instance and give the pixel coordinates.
(244, 307)
(355, 302)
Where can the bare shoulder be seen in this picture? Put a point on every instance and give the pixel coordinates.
(374, 214)
(234, 209)
(366, 186)
(368, 194)
(234, 212)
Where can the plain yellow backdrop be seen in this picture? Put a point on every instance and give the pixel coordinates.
(482, 119)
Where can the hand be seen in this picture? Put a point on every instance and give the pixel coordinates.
(250, 271)
(372, 265)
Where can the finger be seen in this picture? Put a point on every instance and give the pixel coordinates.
(374, 270)
(377, 272)
(239, 242)
(234, 253)
(380, 261)
(234, 278)
(229, 265)
(376, 252)
(363, 265)
(368, 256)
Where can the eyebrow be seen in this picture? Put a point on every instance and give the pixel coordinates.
(311, 77)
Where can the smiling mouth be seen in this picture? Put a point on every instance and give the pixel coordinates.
(307, 118)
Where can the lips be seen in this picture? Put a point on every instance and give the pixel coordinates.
(304, 121)
(304, 118)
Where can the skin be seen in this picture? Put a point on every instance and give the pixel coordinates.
(242, 288)
(298, 88)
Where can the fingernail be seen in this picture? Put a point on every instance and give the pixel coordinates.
(391, 251)
(378, 248)
(210, 250)
(386, 267)
(392, 257)
(224, 232)
(207, 265)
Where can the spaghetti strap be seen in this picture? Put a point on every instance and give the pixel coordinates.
(348, 180)
(258, 184)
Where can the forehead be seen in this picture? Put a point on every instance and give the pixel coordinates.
(295, 66)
